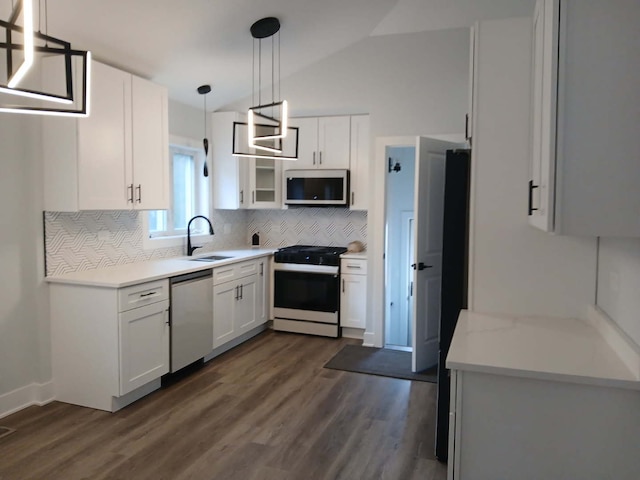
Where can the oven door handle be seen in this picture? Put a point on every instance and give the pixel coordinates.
(306, 268)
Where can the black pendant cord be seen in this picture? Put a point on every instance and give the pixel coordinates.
(203, 90)
(205, 142)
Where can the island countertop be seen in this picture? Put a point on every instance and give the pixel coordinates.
(563, 349)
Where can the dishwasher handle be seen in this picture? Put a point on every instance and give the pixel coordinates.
(188, 277)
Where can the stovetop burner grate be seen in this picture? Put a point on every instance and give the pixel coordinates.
(311, 254)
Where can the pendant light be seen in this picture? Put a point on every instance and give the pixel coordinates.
(203, 90)
(267, 132)
(25, 47)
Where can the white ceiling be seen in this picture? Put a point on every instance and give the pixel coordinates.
(186, 43)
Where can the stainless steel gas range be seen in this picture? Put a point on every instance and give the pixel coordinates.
(307, 290)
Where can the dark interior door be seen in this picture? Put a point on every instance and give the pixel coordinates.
(454, 278)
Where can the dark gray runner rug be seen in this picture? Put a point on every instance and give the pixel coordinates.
(379, 361)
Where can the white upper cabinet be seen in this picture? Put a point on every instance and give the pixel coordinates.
(264, 183)
(359, 162)
(241, 182)
(149, 115)
(229, 173)
(323, 142)
(117, 158)
(585, 119)
(543, 121)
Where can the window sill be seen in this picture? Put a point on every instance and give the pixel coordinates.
(175, 241)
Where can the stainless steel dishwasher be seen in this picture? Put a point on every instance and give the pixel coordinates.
(191, 317)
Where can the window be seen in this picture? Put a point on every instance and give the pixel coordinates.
(190, 195)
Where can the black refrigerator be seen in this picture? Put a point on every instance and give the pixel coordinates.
(455, 260)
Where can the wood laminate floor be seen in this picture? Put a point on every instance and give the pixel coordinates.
(265, 410)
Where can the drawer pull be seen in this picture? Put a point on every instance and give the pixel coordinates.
(354, 266)
(147, 294)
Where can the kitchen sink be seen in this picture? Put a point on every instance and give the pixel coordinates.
(210, 258)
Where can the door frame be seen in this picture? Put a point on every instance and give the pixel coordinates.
(376, 231)
(376, 238)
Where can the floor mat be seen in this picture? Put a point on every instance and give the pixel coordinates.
(379, 361)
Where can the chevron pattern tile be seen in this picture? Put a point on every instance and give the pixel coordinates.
(72, 240)
(307, 226)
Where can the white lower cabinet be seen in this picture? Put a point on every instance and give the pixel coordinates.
(109, 346)
(144, 345)
(353, 293)
(502, 426)
(239, 299)
(224, 312)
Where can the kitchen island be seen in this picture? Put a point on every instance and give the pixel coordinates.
(535, 397)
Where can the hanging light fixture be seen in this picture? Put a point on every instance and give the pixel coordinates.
(36, 45)
(203, 90)
(267, 130)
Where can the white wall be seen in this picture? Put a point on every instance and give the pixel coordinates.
(411, 84)
(186, 121)
(24, 329)
(619, 283)
(514, 267)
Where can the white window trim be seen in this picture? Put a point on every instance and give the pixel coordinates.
(177, 240)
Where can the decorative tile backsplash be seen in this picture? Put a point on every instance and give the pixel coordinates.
(308, 226)
(88, 240)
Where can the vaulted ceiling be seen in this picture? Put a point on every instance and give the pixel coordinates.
(186, 43)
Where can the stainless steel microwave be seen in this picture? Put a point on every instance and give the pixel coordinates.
(317, 187)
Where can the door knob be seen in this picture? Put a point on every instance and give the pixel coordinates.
(420, 266)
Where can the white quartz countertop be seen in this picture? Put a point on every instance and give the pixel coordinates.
(134, 273)
(563, 349)
(355, 256)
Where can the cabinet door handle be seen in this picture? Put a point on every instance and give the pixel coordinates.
(466, 126)
(353, 198)
(314, 158)
(343, 285)
(320, 156)
(531, 187)
(139, 189)
(130, 193)
(262, 269)
(241, 196)
(411, 289)
(253, 196)
(241, 291)
(237, 292)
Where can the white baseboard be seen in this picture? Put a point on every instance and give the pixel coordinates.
(369, 339)
(355, 333)
(33, 394)
(618, 340)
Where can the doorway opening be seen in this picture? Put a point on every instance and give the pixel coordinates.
(399, 246)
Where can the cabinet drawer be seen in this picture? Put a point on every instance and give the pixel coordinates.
(142, 294)
(224, 274)
(353, 266)
(235, 271)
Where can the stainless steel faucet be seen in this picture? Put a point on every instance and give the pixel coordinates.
(190, 249)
